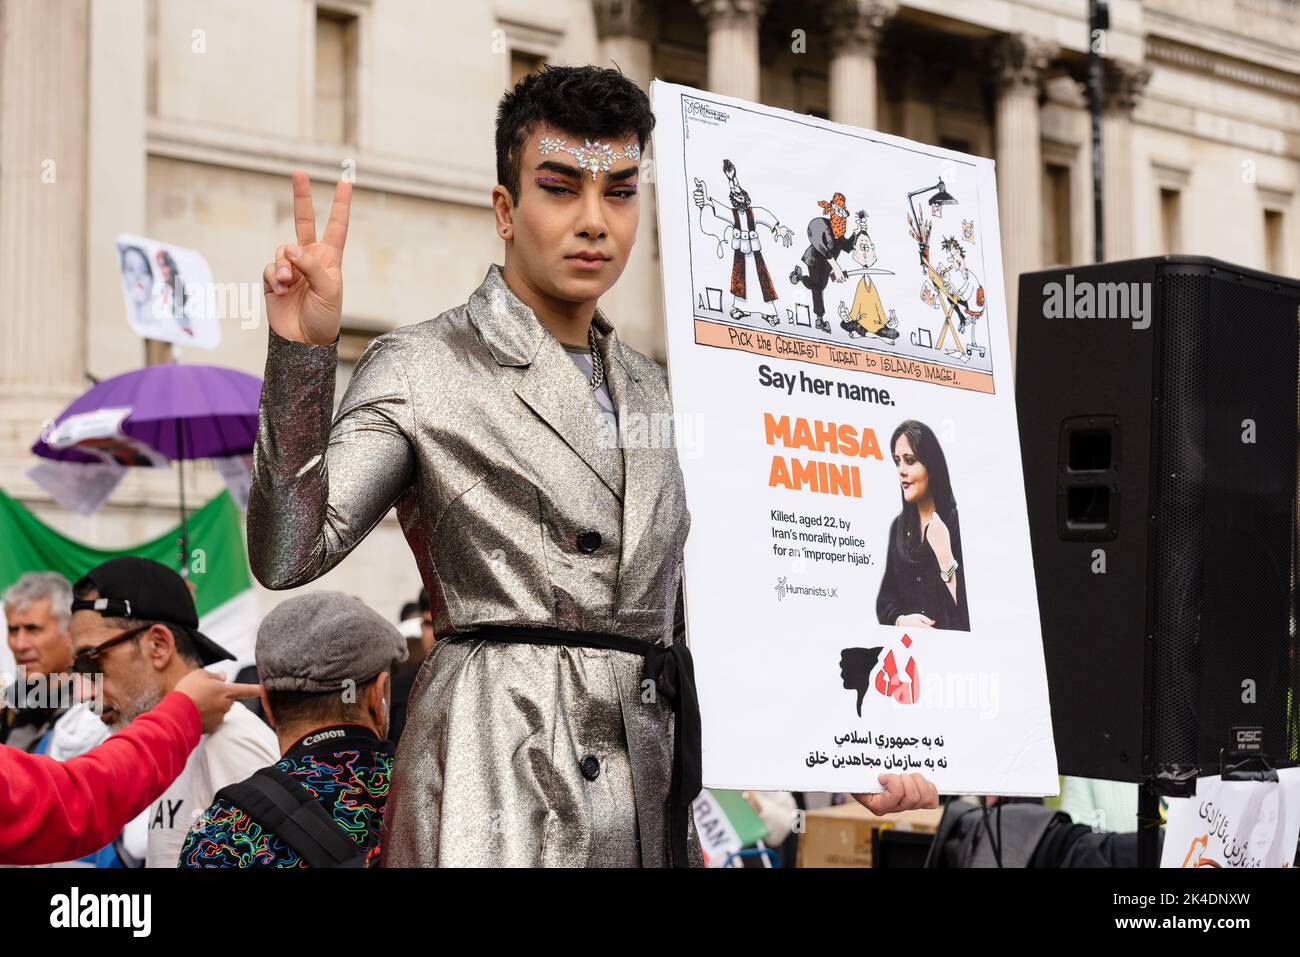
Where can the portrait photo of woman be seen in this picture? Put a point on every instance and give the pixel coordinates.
(1265, 815)
(925, 579)
(138, 282)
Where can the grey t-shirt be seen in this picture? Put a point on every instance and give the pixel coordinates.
(582, 359)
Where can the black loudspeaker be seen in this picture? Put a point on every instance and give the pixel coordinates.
(1157, 401)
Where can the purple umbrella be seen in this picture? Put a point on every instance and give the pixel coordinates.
(171, 410)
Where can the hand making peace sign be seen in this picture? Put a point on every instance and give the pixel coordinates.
(304, 286)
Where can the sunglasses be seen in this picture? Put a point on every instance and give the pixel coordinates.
(85, 662)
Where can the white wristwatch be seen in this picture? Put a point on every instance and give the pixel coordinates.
(947, 576)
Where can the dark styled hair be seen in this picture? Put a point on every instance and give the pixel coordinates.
(928, 451)
(579, 100)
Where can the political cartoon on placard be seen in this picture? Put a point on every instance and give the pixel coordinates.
(839, 362)
(925, 303)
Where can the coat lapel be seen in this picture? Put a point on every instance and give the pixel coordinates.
(550, 384)
(647, 445)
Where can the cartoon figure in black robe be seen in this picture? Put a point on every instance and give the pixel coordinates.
(743, 219)
(827, 238)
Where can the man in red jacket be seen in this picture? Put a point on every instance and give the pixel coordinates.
(58, 811)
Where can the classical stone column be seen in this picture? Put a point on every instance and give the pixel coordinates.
(44, 63)
(626, 29)
(733, 45)
(920, 97)
(1019, 62)
(853, 29)
(44, 88)
(1122, 84)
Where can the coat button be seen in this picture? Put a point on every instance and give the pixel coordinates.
(590, 767)
(589, 541)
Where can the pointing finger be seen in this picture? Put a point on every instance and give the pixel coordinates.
(336, 230)
(304, 216)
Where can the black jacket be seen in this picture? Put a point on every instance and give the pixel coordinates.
(823, 246)
(912, 584)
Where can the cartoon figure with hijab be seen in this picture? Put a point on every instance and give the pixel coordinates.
(742, 220)
(827, 238)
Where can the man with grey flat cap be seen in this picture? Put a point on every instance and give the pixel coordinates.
(135, 626)
(325, 661)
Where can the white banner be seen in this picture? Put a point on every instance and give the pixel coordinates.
(841, 375)
(1235, 824)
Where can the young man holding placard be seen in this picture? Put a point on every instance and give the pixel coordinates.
(555, 721)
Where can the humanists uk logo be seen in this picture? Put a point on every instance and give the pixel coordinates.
(76, 910)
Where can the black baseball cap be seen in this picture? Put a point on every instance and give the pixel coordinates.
(131, 587)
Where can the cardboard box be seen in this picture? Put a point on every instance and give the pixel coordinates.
(840, 836)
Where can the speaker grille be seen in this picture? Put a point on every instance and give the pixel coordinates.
(1222, 615)
(1180, 503)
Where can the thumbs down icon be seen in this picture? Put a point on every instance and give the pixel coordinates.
(856, 665)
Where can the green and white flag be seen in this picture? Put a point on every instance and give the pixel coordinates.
(218, 567)
(726, 823)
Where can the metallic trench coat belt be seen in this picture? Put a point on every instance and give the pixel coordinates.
(519, 511)
(669, 672)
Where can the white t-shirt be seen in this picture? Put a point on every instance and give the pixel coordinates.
(242, 745)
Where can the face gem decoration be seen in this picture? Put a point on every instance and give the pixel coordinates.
(593, 157)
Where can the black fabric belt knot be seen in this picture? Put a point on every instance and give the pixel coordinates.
(672, 673)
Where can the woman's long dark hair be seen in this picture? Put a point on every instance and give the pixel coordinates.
(928, 451)
(1277, 852)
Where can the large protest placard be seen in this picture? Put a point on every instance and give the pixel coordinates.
(859, 585)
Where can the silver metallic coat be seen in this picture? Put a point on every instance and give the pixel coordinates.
(482, 431)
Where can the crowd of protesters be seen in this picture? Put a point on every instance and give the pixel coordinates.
(119, 749)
